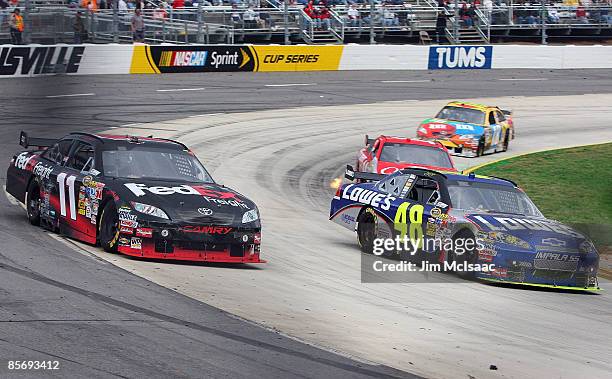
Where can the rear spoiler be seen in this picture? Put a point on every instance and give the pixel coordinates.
(26, 141)
(506, 112)
(351, 175)
(369, 140)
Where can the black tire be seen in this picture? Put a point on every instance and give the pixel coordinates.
(108, 227)
(470, 256)
(32, 202)
(481, 147)
(366, 231)
(506, 141)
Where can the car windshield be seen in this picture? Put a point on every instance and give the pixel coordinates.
(467, 115)
(163, 164)
(415, 154)
(489, 197)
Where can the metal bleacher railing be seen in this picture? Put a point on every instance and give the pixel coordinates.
(52, 21)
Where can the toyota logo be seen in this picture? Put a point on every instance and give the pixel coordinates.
(205, 211)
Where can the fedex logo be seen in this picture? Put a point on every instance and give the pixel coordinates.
(142, 189)
(460, 57)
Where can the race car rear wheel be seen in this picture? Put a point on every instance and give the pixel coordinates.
(366, 231)
(481, 147)
(506, 141)
(33, 203)
(109, 228)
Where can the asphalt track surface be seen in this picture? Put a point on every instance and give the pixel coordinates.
(99, 320)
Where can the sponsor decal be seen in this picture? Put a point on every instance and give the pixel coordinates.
(208, 194)
(144, 232)
(183, 58)
(348, 219)
(366, 196)
(123, 241)
(521, 224)
(557, 257)
(460, 57)
(27, 61)
(22, 160)
(136, 243)
(555, 242)
(205, 211)
(207, 229)
(298, 58)
(128, 223)
(125, 229)
(42, 171)
(175, 59)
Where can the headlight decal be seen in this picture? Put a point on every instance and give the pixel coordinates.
(149, 210)
(250, 216)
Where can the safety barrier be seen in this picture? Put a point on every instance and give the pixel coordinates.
(32, 60)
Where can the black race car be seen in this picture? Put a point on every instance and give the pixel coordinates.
(144, 197)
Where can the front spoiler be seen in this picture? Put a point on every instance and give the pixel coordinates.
(542, 285)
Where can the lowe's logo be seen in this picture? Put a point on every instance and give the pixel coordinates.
(460, 57)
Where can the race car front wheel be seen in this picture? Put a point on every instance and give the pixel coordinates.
(462, 255)
(109, 228)
(506, 141)
(366, 231)
(33, 203)
(481, 148)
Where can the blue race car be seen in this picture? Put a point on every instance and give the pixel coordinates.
(438, 209)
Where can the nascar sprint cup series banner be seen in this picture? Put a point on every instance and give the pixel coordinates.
(228, 58)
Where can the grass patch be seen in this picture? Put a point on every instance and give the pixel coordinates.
(572, 185)
(569, 185)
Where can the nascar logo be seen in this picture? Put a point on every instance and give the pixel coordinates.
(183, 58)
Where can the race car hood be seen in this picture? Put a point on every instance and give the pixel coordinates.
(205, 203)
(440, 128)
(391, 167)
(530, 233)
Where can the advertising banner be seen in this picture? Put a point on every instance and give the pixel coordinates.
(460, 57)
(39, 60)
(298, 58)
(191, 58)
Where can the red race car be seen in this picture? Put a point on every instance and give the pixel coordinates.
(385, 155)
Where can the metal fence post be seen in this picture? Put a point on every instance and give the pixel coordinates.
(199, 39)
(543, 23)
(115, 21)
(27, 36)
(186, 33)
(456, 21)
(372, 41)
(286, 20)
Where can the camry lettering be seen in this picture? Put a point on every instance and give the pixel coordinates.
(207, 229)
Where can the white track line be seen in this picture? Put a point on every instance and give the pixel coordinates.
(406, 81)
(522, 79)
(70, 95)
(180, 89)
(291, 85)
(206, 114)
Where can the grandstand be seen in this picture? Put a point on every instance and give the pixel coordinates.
(352, 21)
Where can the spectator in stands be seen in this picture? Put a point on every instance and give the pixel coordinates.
(389, 18)
(122, 7)
(441, 21)
(324, 16)
(250, 18)
(236, 19)
(466, 13)
(581, 15)
(353, 16)
(178, 4)
(79, 28)
(552, 15)
(138, 26)
(3, 6)
(16, 25)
